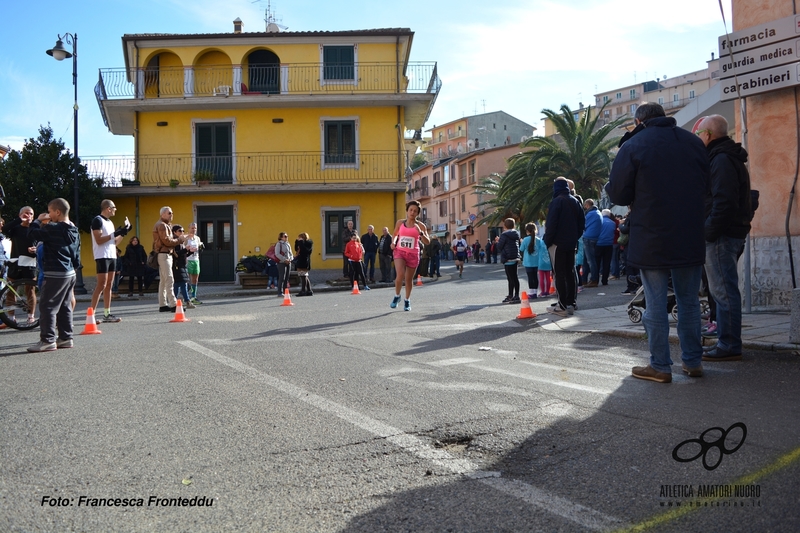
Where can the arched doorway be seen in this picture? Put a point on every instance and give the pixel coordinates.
(264, 72)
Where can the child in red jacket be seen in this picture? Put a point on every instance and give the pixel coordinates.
(354, 252)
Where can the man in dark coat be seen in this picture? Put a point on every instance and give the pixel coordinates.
(564, 226)
(660, 171)
(728, 214)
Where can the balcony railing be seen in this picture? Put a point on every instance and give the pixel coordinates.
(245, 169)
(456, 134)
(227, 80)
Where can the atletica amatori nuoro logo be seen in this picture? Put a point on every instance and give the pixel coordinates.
(706, 446)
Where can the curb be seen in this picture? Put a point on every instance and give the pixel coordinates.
(673, 339)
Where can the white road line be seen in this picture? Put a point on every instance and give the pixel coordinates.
(570, 370)
(456, 361)
(574, 512)
(565, 384)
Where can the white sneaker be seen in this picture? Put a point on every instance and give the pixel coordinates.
(190, 305)
(43, 347)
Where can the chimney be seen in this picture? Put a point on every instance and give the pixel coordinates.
(237, 25)
(712, 56)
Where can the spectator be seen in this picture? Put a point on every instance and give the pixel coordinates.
(495, 249)
(385, 249)
(304, 246)
(565, 223)
(594, 223)
(436, 257)
(355, 254)
(530, 248)
(135, 259)
(662, 169)
(271, 270)
(605, 246)
(163, 243)
(347, 233)
(508, 245)
(117, 275)
(180, 272)
(23, 249)
(60, 258)
(728, 213)
(284, 254)
(104, 248)
(194, 245)
(370, 242)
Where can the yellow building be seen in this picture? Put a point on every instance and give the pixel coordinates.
(251, 134)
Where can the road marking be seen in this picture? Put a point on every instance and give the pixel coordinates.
(551, 503)
(456, 361)
(556, 383)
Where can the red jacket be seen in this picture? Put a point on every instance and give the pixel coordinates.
(354, 251)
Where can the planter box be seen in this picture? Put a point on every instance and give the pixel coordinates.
(251, 280)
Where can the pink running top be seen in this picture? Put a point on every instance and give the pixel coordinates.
(408, 238)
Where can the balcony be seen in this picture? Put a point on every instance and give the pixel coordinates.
(122, 92)
(303, 170)
(456, 134)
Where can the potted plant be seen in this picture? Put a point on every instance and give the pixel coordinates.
(173, 183)
(436, 184)
(130, 183)
(203, 177)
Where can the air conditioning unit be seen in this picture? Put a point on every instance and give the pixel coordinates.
(458, 222)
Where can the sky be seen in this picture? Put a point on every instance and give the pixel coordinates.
(518, 56)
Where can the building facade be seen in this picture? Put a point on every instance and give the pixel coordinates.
(488, 130)
(251, 134)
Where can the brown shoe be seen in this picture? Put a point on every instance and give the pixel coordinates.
(590, 285)
(696, 372)
(648, 372)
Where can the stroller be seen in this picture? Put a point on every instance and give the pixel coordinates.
(638, 304)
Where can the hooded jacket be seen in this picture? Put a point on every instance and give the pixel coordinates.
(62, 247)
(594, 223)
(565, 219)
(663, 174)
(728, 209)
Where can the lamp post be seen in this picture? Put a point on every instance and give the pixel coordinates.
(59, 53)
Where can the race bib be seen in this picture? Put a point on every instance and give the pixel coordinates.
(459, 249)
(406, 243)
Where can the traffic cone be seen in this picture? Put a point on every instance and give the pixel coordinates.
(419, 280)
(355, 288)
(179, 316)
(287, 300)
(90, 328)
(525, 310)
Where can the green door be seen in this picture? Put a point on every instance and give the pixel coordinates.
(335, 222)
(215, 227)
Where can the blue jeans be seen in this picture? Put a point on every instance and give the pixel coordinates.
(686, 284)
(723, 283)
(369, 264)
(180, 289)
(590, 261)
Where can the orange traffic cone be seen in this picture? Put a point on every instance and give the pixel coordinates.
(355, 288)
(525, 310)
(419, 280)
(179, 316)
(287, 300)
(90, 328)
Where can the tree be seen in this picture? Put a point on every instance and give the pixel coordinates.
(583, 154)
(418, 160)
(43, 170)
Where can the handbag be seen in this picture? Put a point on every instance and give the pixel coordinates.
(152, 259)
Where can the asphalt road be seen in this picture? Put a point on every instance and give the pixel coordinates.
(341, 414)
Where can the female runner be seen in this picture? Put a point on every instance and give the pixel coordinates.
(405, 243)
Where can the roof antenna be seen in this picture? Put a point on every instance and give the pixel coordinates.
(270, 19)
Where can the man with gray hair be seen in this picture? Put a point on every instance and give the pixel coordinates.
(728, 214)
(385, 251)
(163, 243)
(370, 243)
(661, 170)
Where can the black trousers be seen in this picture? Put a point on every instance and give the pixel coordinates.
(603, 255)
(563, 260)
(357, 273)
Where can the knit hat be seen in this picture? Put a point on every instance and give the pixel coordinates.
(560, 185)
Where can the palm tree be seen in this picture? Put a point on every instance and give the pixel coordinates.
(582, 154)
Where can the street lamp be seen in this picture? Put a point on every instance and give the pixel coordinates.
(59, 53)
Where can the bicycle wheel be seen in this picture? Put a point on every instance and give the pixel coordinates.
(13, 298)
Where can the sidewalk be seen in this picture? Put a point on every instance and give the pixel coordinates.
(760, 331)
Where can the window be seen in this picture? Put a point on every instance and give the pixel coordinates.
(606, 114)
(463, 202)
(446, 176)
(494, 126)
(661, 100)
(437, 182)
(452, 205)
(619, 111)
(633, 108)
(633, 93)
(605, 99)
(335, 222)
(214, 151)
(675, 97)
(472, 171)
(443, 208)
(691, 94)
(505, 127)
(619, 96)
(477, 144)
(340, 142)
(462, 175)
(441, 135)
(338, 62)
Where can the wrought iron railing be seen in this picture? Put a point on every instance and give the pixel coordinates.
(244, 169)
(302, 78)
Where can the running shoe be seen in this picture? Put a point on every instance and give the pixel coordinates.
(43, 347)
(195, 301)
(65, 343)
(395, 301)
(407, 305)
(111, 318)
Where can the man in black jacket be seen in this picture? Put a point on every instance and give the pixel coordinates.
(564, 226)
(385, 256)
(659, 171)
(728, 214)
(370, 243)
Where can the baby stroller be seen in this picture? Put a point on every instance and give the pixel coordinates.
(638, 304)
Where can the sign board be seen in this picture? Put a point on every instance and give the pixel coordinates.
(758, 36)
(472, 217)
(759, 58)
(760, 82)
